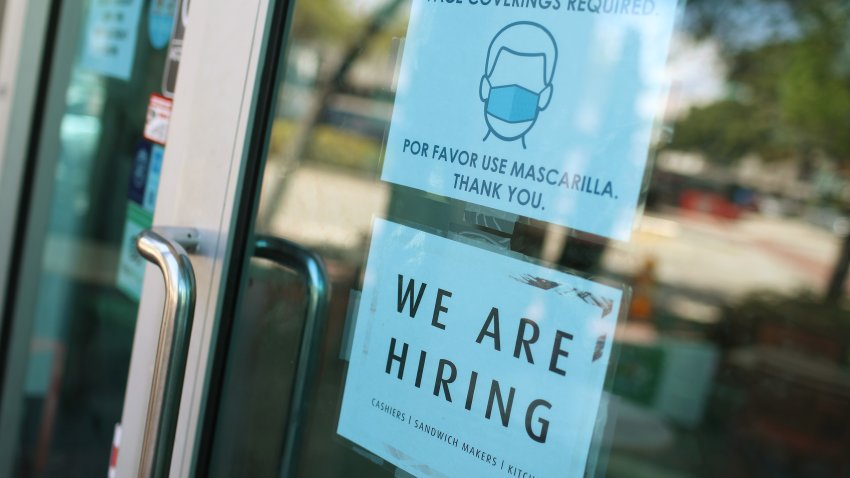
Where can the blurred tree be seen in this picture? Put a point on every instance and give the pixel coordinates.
(354, 44)
(724, 131)
(789, 78)
(789, 86)
(814, 93)
(323, 20)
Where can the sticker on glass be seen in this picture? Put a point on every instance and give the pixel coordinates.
(157, 119)
(466, 362)
(131, 265)
(175, 49)
(161, 22)
(543, 109)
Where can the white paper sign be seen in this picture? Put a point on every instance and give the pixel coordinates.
(542, 108)
(157, 119)
(465, 362)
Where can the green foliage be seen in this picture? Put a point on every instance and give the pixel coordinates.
(804, 315)
(815, 96)
(723, 131)
(790, 81)
(330, 145)
(334, 22)
(803, 309)
(322, 20)
(339, 147)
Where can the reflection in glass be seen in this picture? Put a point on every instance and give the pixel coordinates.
(74, 326)
(734, 357)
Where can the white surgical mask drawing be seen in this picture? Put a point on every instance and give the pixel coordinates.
(517, 81)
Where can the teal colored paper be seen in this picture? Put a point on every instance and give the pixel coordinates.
(564, 98)
(110, 37)
(380, 412)
(154, 171)
(161, 22)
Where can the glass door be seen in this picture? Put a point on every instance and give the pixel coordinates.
(283, 365)
(219, 97)
(129, 134)
(407, 237)
(321, 218)
(90, 176)
(726, 294)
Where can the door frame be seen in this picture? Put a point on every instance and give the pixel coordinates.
(208, 158)
(22, 48)
(212, 149)
(22, 59)
(267, 85)
(32, 63)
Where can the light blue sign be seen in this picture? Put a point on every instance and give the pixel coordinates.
(161, 22)
(543, 109)
(152, 183)
(110, 37)
(465, 362)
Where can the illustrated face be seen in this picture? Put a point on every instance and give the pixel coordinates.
(514, 93)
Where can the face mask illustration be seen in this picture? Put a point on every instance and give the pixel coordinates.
(517, 84)
(513, 103)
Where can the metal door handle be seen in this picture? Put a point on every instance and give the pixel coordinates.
(167, 248)
(306, 263)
